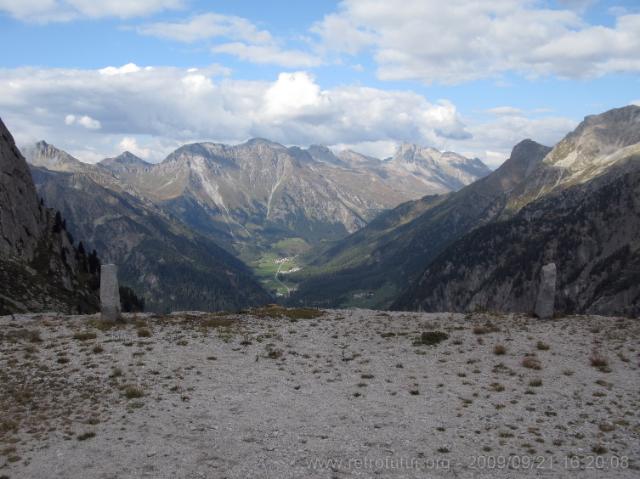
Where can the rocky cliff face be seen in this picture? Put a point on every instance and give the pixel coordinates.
(20, 213)
(40, 269)
(579, 208)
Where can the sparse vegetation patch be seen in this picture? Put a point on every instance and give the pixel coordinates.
(431, 338)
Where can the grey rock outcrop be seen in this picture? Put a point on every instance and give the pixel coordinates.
(109, 293)
(40, 269)
(20, 217)
(547, 292)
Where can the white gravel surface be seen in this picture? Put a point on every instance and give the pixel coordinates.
(347, 394)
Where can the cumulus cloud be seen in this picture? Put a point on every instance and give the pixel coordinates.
(241, 38)
(339, 32)
(268, 54)
(84, 120)
(177, 105)
(131, 145)
(293, 94)
(123, 70)
(471, 40)
(43, 11)
(206, 26)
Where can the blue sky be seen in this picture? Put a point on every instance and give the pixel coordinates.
(362, 74)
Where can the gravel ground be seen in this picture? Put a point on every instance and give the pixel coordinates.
(351, 393)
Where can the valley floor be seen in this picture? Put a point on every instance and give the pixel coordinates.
(350, 393)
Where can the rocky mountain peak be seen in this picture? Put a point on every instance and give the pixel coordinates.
(412, 153)
(447, 171)
(598, 143)
(526, 154)
(597, 137)
(355, 159)
(192, 150)
(406, 152)
(129, 158)
(124, 163)
(325, 155)
(525, 157)
(48, 156)
(262, 142)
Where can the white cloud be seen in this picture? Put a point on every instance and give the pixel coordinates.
(243, 39)
(465, 41)
(338, 32)
(123, 70)
(43, 11)
(268, 54)
(505, 111)
(206, 26)
(161, 107)
(636, 102)
(292, 94)
(131, 145)
(84, 120)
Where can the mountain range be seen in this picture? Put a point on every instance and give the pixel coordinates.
(172, 226)
(175, 268)
(483, 247)
(371, 267)
(579, 209)
(218, 226)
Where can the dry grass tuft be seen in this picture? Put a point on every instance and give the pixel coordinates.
(431, 338)
(144, 333)
(86, 435)
(542, 346)
(499, 349)
(85, 335)
(133, 392)
(600, 362)
(530, 362)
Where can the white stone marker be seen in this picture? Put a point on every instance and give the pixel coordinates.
(109, 292)
(547, 293)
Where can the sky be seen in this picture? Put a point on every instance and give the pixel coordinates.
(97, 78)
